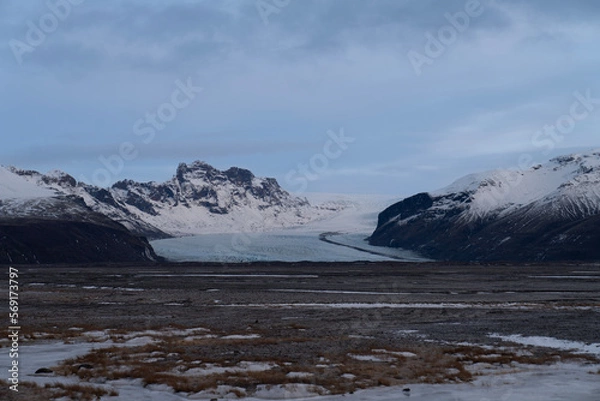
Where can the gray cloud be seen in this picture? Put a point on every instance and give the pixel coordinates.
(317, 65)
(198, 150)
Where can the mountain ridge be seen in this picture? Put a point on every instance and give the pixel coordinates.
(111, 224)
(547, 212)
(197, 199)
(62, 229)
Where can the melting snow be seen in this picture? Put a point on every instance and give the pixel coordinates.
(551, 342)
(561, 382)
(513, 306)
(371, 358)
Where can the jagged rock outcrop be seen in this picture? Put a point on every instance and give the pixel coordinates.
(199, 199)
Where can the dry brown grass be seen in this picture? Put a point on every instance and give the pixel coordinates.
(166, 361)
(177, 343)
(31, 333)
(296, 326)
(508, 357)
(32, 392)
(432, 366)
(27, 391)
(246, 380)
(79, 392)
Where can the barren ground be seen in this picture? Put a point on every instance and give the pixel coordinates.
(336, 327)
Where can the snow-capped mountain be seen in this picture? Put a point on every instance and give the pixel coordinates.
(39, 225)
(199, 199)
(547, 212)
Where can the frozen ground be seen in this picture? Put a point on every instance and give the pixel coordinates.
(560, 382)
(553, 383)
(281, 331)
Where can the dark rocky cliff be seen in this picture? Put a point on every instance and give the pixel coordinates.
(66, 232)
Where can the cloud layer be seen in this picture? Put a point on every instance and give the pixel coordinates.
(276, 79)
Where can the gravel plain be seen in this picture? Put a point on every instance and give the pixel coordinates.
(442, 301)
(328, 316)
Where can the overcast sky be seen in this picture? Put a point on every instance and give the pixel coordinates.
(414, 93)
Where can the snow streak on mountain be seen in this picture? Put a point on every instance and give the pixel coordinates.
(547, 212)
(199, 199)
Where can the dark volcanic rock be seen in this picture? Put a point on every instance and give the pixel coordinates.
(33, 241)
(512, 238)
(66, 231)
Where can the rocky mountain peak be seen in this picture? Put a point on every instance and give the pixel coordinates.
(198, 199)
(59, 178)
(239, 176)
(196, 170)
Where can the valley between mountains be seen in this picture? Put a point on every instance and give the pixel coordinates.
(267, 295)
(548, 212)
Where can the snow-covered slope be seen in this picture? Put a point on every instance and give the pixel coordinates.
(199, 199)
(549, 211)
(13, 186)
(570, 184)
(349, 213)
(39, 225)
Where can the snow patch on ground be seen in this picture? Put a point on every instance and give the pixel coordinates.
(226, 392)
(244, 366)
(241, 337)
(299, 375)
(550, 342)
(560, 382)
(371, 358)
(293, 290)
(512, 306)
(288, 391)
(399, 353)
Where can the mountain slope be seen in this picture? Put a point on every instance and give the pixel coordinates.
(38, 225)
(549, 212)
(199, 199)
